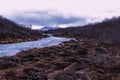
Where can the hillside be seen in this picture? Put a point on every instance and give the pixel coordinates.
(108, 30)
(13, 32)
(93, 56)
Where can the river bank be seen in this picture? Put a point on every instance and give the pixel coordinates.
(73, 60)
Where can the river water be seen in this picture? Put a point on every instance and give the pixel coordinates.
(14, 48)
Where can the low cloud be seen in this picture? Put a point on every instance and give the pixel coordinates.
(44, 18)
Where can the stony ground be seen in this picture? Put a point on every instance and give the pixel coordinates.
(74, 60)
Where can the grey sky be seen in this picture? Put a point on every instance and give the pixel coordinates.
(44, 18)
(91, 10)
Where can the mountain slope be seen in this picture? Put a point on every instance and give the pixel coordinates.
(108, 30)
(12, 32)
(48, 28)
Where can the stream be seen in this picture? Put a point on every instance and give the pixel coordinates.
(14, 48)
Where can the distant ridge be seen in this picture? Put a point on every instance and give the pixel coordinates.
(108, 30)
(48, 28)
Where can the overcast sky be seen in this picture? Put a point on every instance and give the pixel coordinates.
(58, 12)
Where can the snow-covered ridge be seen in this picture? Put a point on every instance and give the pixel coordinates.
(14, 48)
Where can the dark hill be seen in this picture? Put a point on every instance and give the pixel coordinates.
(13, 32)
(108, 30)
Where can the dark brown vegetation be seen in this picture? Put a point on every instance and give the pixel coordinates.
(108, 30)
(12, 32)
(74, 60)
(95, 55)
